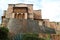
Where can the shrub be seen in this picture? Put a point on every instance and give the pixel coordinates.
(4, 33)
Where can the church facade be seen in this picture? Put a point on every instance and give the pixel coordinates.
(23, 15)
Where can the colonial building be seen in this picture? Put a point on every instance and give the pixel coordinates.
(21, 18)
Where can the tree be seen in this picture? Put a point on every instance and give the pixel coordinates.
(32, 36)
(27, 36)
(4, 33)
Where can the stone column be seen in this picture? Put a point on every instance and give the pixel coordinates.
(31, 16)
(13, 15)
(40, 23)
(25, 15)
(22, 16)
(17, 15)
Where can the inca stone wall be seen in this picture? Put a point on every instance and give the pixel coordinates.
(5, 22)
(27, 26)
(37, 16)
(23, 26)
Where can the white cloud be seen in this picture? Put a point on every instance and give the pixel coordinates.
(51, 9)
(36, 3)
(4, 3)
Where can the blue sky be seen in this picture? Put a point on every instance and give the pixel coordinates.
(50, 8)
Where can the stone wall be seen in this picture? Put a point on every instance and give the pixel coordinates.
(47, 23)
(23, 26)
(5, 22)
(9, 11)
(53, 25)
(55, 36)
(27, 26)
(37, 14)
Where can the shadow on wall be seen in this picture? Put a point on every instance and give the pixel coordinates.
(49, 30)
(45, 29)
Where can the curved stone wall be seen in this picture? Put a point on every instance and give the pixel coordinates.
(17, 26)
(23, 26)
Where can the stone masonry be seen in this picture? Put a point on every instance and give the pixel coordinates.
(21, 18)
